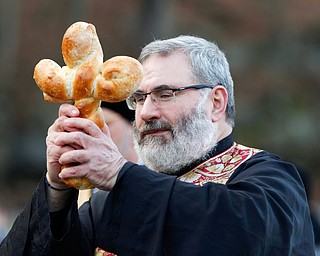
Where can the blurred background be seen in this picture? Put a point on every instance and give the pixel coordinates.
(273, 49)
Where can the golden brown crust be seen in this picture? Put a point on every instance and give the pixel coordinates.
(50, 79)
(80, 183)
(119, 77)
(80, 44)
(85, 79)
(82, 85)
(90, 109)
(83, 55)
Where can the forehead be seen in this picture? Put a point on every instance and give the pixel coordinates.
(173, 70)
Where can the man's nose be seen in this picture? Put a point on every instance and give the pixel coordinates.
(149, 110)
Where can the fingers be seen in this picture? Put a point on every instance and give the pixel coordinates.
(76, 140)
(81, 124)
(54, 153)
(106, 130)
(101, 170)
(68, 110)
(65, 124)
(56, 126)
(78, 145)
(74, 157)
(65, 111)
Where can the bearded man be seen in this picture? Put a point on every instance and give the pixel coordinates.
(198, 193)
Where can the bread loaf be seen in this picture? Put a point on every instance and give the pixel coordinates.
(86, 80)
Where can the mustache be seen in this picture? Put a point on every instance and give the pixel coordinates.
(155, 125)
(151, 125)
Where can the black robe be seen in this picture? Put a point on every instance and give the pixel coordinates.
(261, 210)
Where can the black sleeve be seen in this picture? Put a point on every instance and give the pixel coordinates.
(38, 232)
(15, 241)
(262, 210)
(71, 231)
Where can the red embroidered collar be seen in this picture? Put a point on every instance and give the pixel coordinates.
(219, 168)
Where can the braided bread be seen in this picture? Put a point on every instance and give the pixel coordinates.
(86, 80)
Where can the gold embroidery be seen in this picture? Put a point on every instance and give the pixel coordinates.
(219, 168)
(101, 252)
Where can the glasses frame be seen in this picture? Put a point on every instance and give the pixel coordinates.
(130, 100)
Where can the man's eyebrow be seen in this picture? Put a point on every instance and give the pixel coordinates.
(157, 88)
(161, 87)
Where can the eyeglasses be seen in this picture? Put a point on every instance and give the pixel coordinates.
(162, 96)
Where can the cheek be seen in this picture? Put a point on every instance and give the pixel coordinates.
(137, 119)
(171, 115)
(168, 114)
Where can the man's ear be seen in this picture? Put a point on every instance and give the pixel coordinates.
(219, 97)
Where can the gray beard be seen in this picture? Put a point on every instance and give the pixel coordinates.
(192, 138)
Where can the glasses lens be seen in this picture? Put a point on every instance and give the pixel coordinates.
(136, 99)
(160, 98)
(163, 97)
(131, 103)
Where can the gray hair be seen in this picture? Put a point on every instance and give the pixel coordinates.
(208, 63)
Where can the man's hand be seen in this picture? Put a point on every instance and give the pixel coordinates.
(80, 144)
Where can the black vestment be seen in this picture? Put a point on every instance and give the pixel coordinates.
(261, 210)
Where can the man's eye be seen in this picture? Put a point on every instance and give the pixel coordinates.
(139, 98)
(165, 95)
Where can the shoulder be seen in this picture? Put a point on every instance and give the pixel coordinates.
(269, 170)
(263, 163)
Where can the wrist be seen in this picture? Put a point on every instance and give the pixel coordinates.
(58, 195)
(54, 185)
(114, 178)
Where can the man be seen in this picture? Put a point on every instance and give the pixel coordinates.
(200, 192)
